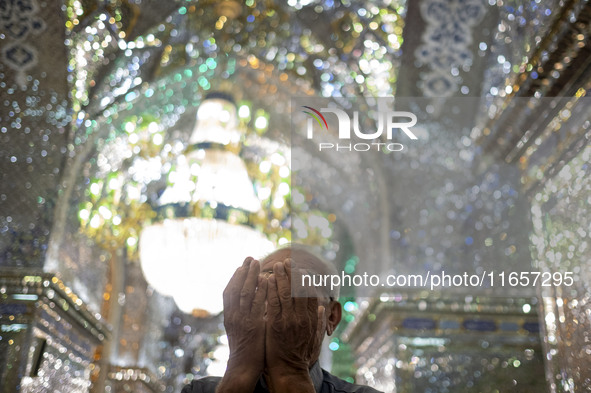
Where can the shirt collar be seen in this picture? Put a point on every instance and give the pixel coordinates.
(317, 377)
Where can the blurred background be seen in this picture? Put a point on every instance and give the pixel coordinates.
(147, 147)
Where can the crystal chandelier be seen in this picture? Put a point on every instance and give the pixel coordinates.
(192, 258)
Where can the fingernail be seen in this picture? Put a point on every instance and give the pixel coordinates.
(288, 263)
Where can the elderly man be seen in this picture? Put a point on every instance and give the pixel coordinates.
(275, 338)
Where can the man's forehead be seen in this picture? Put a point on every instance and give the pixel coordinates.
(301, 259)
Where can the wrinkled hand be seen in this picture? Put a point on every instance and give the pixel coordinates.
(244, 309)
(294, 329)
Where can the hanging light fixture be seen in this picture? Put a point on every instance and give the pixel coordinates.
(191, 258)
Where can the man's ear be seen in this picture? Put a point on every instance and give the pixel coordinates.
(335, 316)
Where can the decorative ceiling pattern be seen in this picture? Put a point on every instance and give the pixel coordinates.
(446, 43)
(19, 19)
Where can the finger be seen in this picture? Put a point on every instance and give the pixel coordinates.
(294, 278)
(248, 290)
(301, 295)
(258, 303)
(287, 263)
(301, 306)
(273, 303)
(283, 288)
(231, 294)
(313, 308)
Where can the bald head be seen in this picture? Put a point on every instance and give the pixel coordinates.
(303, 261)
